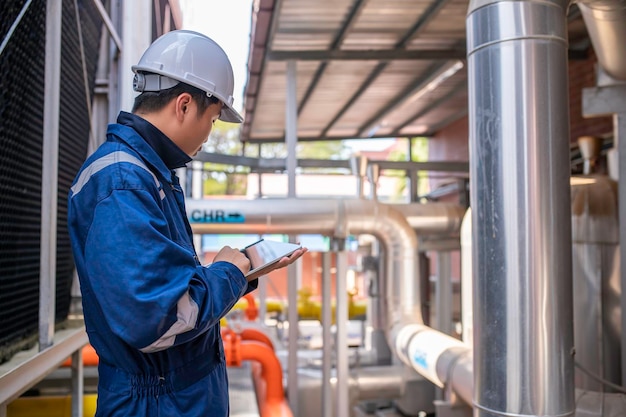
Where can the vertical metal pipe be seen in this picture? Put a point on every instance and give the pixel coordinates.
(292, 350)
(291, 138)
(619, 126)
(115, 61)
(49, 174)
(467, 316)
(291, 128)
(443, 293)
(77, 383)
(519, 165)
(327, 353)
(262, 293)
(341, 336)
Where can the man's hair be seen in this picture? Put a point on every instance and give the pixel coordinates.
(152, 101)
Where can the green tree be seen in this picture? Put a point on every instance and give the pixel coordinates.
(222, 179)
(419, 153)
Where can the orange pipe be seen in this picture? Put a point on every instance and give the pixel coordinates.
(90, 357)
(257, 335)
(252, 312)
(272, 403)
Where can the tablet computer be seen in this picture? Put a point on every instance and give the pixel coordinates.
(263, 254)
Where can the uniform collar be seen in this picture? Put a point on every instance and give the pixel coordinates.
(168, 151)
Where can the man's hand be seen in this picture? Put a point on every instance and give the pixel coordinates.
(235, 257)
(280, 264)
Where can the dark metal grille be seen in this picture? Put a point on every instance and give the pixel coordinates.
(21, 131)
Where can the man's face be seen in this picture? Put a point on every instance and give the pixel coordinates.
(197, 127)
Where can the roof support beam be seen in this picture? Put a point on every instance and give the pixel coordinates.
(400, 48)
(368, 55)
(418, 85)
(278, 164)
(370, 78)
(432, 10)
(459, 87)
(355, 12)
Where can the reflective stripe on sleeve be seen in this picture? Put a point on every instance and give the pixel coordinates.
(187, 313)
(107, 160)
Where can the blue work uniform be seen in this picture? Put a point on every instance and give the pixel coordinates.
(151, 309)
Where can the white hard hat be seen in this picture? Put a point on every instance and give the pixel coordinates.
(192, 58)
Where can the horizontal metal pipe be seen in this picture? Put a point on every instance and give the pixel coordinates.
(308, 216)
(337, 218)
(375, 382)
(433, 218)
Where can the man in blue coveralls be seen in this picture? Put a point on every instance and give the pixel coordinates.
(151, 310)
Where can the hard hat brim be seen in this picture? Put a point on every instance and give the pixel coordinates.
(230, 115)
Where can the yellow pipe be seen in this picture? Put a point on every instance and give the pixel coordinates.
(50, 406)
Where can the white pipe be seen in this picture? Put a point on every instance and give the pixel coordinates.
(467, 315)
(442, 359)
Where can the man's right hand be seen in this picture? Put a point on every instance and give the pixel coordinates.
(235, 257)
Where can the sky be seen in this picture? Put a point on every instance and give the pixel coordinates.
(227, 22)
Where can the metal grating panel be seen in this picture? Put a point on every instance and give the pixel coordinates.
(73, 126)
(21, 131)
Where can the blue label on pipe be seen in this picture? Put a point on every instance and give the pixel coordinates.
(420, 359)
(215, 216)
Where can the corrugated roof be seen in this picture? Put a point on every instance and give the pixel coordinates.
(365, 68)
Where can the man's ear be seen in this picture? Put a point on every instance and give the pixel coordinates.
(182, 104)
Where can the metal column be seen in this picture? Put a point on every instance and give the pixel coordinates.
(327, 322)
(620, 138)
(49, 174)
(443, 293)
(341, 324)
(291, 127)
(291, 117)
(78, 383)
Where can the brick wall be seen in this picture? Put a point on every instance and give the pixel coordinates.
(451, 143)
(582, 74)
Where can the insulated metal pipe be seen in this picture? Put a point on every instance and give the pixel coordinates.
(406, 333)
(605, 23)
(520, 195)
